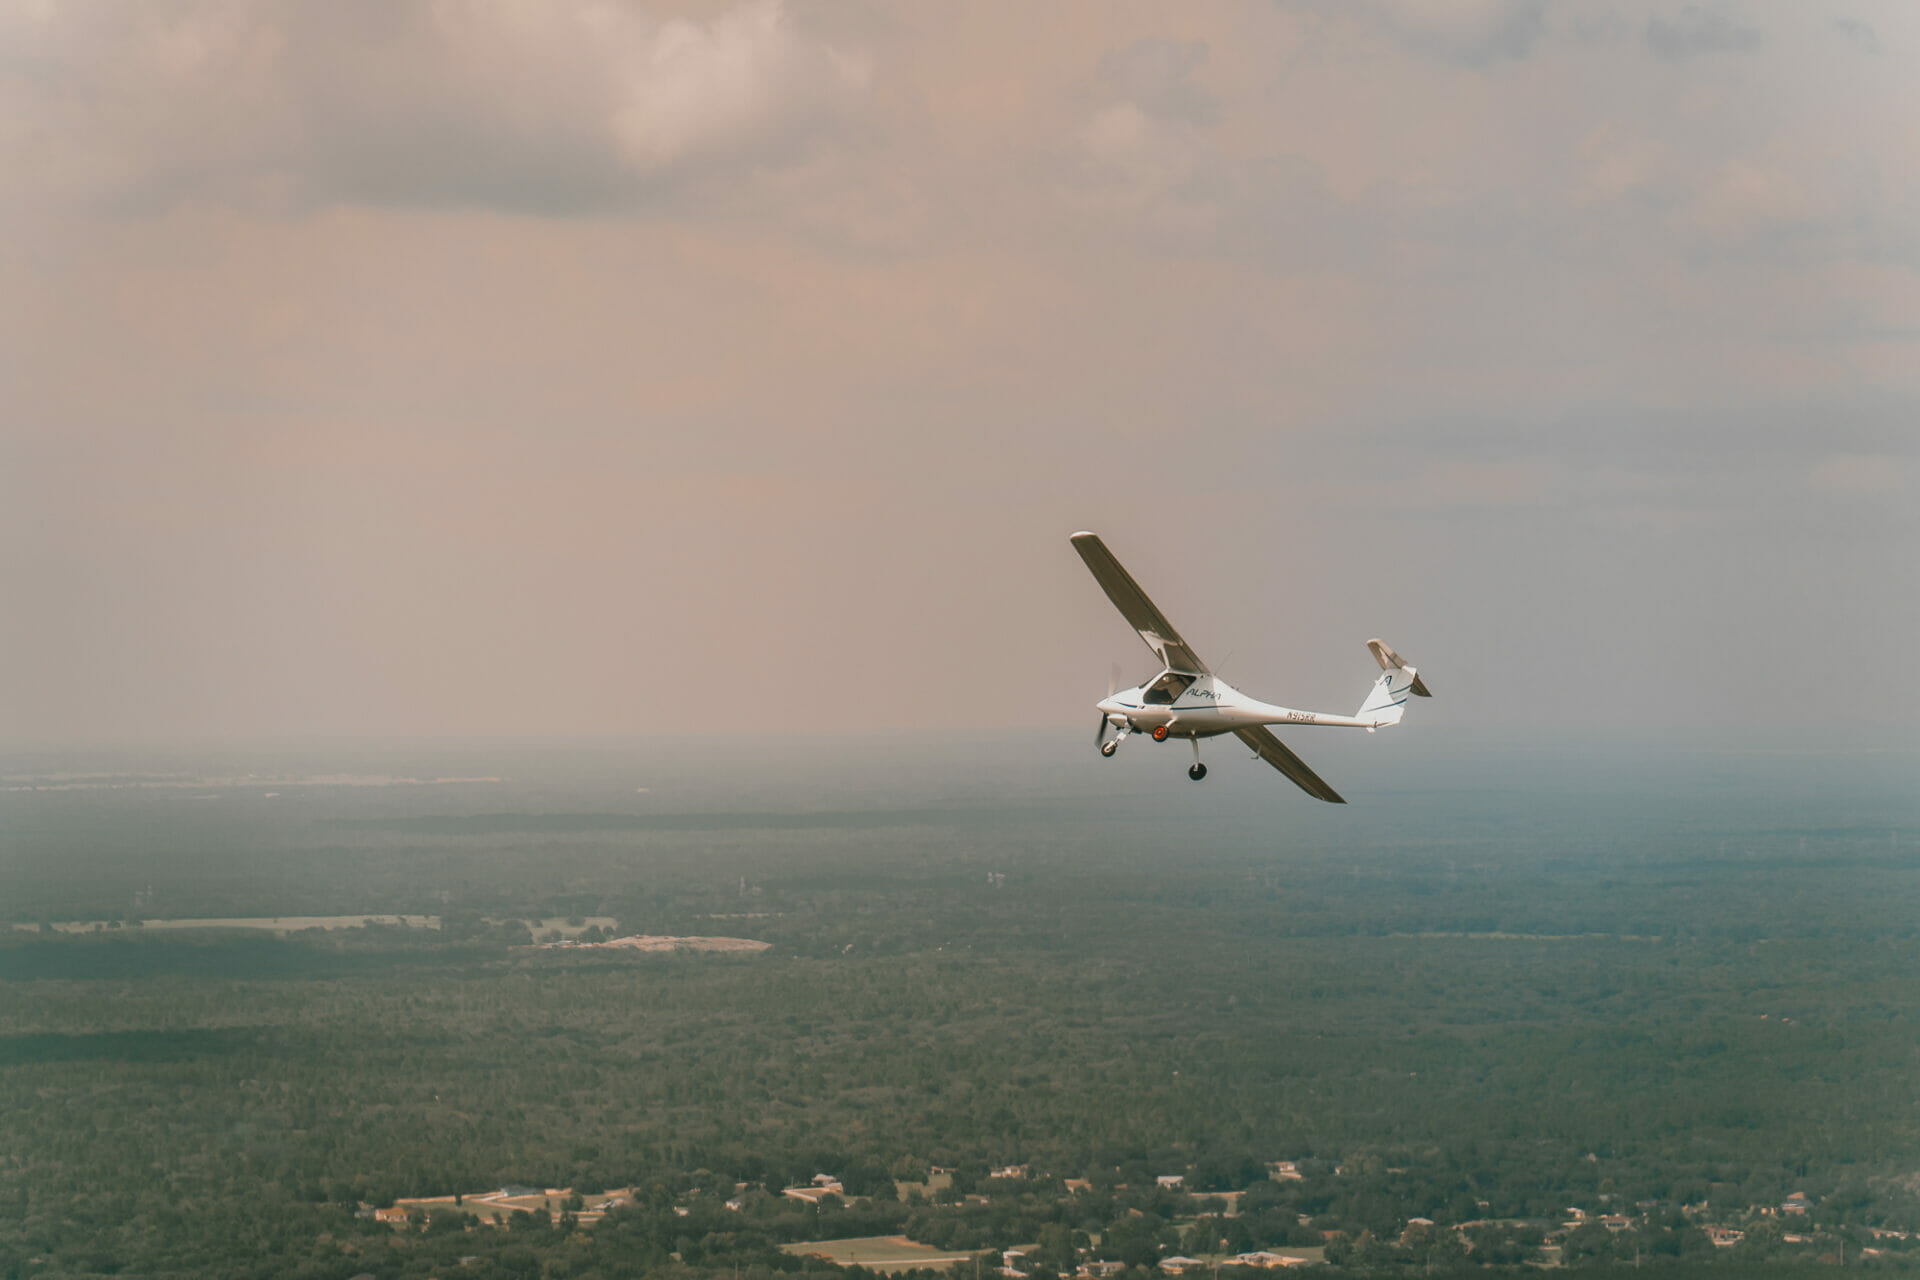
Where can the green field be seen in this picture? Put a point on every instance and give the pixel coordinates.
(877, 1253)
(272, 924)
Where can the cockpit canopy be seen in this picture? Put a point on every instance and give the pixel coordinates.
(1167, 689)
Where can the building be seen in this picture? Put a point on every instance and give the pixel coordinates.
(824, 1184)
(1171, 1181)
(1267, 1260)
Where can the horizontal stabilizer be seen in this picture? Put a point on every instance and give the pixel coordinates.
(1386, 701)
(1389, 660)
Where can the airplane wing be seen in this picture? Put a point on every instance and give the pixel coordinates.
(1275, 753)
(1139, 611)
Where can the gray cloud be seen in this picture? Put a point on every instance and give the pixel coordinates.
(1859, 34)
(1158, 76)
(1695, 31)
(542, 109)
(1468, 33)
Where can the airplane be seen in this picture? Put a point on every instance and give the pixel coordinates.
(1186, 700)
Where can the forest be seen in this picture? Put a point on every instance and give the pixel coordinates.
(1459, 1031)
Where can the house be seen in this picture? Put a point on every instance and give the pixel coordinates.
(1282, 1170)
(1725, 1237)
(395, 1215)
(1795, 1203)
(1096, 1270)
(1170, 1180)
(1175, 1265)
(1079, 1184)
(1266, 1260)
(824, 1184)
(1616, 1222)
(1009, 1171)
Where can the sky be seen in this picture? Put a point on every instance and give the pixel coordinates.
(416, 368)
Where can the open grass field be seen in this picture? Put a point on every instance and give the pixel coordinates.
(273, 924)
(877, 1253)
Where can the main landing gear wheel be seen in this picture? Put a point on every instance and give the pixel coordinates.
(1197, 772)
(1108, 748)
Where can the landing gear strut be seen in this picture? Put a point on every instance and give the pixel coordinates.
(1198, 771)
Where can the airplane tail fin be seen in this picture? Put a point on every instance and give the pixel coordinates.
(1387, 700)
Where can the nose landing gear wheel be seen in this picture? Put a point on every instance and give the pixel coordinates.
(1108, 748)
(1197, 772)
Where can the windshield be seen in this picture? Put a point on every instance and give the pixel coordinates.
(1168, 687)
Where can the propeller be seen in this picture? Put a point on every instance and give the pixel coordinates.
(1100, 731)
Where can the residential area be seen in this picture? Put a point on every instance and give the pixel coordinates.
(1014, 1222)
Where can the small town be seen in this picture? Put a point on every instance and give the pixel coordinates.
(1163, 1227)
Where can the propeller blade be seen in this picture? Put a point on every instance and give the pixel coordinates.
(1100, 731)
(1113, 679)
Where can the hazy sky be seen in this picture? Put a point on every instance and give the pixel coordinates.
(418, 367)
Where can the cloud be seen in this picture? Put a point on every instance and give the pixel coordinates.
(1469, 33)
(1848, 475)
(1859, 34)
(1157, 76)
(1696, 31)
(555, 108)
(731, 85)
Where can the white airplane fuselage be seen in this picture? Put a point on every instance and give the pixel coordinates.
(1205, 708)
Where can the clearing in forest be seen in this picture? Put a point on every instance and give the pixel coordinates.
(876, 1253)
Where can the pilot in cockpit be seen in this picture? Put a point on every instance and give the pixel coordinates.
(1167, 689)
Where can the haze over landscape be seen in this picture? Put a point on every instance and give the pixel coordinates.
(544, 693)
